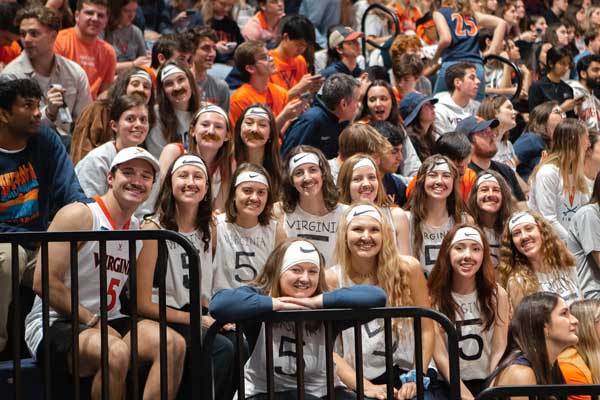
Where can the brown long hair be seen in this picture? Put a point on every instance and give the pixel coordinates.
(441, 276)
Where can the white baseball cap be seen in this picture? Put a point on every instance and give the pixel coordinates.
(132, 153)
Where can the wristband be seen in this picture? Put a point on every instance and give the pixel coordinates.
(92, 322)
(411, 376)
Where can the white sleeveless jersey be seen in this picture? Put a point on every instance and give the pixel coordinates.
(431, 243)
(494, 241)
(319, 230)
(117, 270)
(373, 342)
(563, 282)
(284, 362)
(178, 275)
(241, 253)
(474, 344)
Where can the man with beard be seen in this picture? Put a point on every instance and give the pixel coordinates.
(588, 69)
(63, 81)
(132, 173)
(36, 177)
(483, 141)
(214, 90)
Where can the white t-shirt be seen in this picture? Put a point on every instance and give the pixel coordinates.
(584, 238)
(562, 281)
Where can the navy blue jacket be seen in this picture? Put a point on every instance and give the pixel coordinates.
(318, 127)
(340, 67)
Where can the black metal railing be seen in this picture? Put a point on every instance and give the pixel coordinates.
(539, 391)
(328, 316)
(102, 237)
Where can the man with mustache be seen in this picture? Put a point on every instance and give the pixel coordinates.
(63, 81)
(83, 45)
(132, 173)
(588, 69)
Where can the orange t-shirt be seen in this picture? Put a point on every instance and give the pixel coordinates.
(9, 53)
(289, 72)
(466, 183)
(407, 17)
(98, 59)
(574, 370)
(275, 97)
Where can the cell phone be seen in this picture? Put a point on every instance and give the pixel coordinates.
(305, 96)
(231, 45)
(538, 31)
(190, 12)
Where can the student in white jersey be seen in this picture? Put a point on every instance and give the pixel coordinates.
(247, 233)
(366, 254)
(293, 278)
(463, 287)
(491, 204)
(184, 206)
(210, 139)
(309, 205)
(132, 173)
(435, 205)
(534, 259)
(360, 180)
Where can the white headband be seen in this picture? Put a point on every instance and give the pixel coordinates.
(215, 109)
(170, 70)
(440, 165)
(140, 73)
(248, 176)
(466, 233)
(301, 159)
(486, 178)
(519, 218)
(363, 162)
(363, 210)
(300, 252)
(190, 159)
(257, 112)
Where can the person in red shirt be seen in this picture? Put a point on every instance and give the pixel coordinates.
(9, 34)
(82, 44)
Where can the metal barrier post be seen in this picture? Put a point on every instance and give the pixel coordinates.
(75, 313)
(14, 255)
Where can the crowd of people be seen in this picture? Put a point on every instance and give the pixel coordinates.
(309, 172)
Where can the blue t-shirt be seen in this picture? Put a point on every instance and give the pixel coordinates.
(465, 32)
(528, 148)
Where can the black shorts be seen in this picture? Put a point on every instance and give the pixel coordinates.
(61, 342)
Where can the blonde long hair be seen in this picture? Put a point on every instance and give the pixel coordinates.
(588, 346)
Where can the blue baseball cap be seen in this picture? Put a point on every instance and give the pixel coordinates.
(411, 104)
(471, 125)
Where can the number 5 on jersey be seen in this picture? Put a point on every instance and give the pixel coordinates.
(244, 272)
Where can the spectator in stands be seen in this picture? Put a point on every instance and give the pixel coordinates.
(536, 138)
(184, 205)
(491, 204)
(435, 206)
(483, 141)
(407, 73)
(217, 15)
(534, 259)
(133, 171)
(418, 113)
(378, 263)
(553, 14)
(500, 107)
(178, 100)
(463, 84)
(214, 90)
(178, 47)
(580, 364)
(558, 185)
(182, 15)
(463, 287)
(211, 139)
(126, 38)
(391, 160)
(256, 67)
(9, 34)
(264, 25)
(36, 168)
(129, 123)
(296, 34)
(83, 45)
(332, 111)
(309, 206)
(293, 278)
(343, 52)
(542, 327)
(584, 242)
(360, 181)
(552, 87)
(63, 10)
(588, 69)
(92, 128)
(248, 232)
(592, 47)
(63, 81)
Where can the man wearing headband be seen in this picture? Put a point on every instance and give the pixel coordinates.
(83, 45)
(213, 89)
(63, 81)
